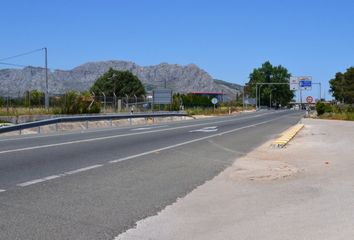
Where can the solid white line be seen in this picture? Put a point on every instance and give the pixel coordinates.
(2, 190)
(119, 136)
(188, 142)
(40, 180)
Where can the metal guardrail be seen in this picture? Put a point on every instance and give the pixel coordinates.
(50, 121)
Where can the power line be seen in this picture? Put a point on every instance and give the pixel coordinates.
(22, 54)
(12, 64)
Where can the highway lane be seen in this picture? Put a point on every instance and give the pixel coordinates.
(26, 160)
(15, 142)
(63, 184)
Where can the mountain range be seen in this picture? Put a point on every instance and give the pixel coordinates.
(182, 79)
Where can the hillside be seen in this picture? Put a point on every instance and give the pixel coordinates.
(183, 79)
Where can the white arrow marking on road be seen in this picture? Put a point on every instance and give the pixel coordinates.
(206, 129)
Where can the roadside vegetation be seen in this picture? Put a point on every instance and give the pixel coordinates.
(342, 89)
(335, 111)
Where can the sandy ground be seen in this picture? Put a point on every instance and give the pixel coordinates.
(303, 191)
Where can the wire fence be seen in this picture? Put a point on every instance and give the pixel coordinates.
(34, 102)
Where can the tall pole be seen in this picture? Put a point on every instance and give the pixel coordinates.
(256, 96)
(243, 98)
(46, 80)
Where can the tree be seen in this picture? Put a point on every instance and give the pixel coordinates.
(118, 82)
(342, 86)
(37, 98)
(280, 94)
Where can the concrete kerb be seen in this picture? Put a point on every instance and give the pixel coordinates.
(286, 136)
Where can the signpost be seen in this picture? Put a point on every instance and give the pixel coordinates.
(162, 96)
(214, 101)
(294, 83)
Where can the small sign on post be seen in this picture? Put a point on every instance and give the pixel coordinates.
(214, 101)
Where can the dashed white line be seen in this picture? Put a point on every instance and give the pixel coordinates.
(118, 136)
(40, 180)
(188, 142)
(83, 169)
(2, 190)
(25, 184)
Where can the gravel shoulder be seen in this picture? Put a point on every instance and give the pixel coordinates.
(302, 191)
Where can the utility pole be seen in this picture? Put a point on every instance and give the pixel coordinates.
(46, 80)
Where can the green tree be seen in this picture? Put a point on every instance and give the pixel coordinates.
(37, 98)
(118, 82)
(342, 86)
(267, 73)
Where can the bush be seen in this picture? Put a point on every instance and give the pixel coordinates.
(74, 103)
(322, 108)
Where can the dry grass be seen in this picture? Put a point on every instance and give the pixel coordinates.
(349, 116)
(12, 111)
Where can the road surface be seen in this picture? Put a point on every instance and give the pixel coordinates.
(97, 184)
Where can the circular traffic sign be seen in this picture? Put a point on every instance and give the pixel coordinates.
(214, 101)
(309, 99)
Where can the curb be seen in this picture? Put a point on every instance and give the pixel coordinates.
(287, 136)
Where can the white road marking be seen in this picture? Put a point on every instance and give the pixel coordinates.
(2, 190)
(147, 128)
(206, 129)
(141, 129)
(83, 169)
(40, 180)
(119, 136)
(188, 142)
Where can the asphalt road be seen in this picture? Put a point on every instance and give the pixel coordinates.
(95, 185)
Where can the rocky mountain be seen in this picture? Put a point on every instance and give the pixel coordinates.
(183, 79)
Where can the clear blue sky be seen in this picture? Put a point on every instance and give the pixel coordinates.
(228, 39)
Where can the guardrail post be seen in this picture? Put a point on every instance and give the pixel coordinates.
(56, 127)
(87, 126)
(111, 122)
(39, 130)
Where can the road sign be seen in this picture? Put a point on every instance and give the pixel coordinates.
(309, 99)
(214, 101)
(294, 83)
(162, 96)
(305, 83)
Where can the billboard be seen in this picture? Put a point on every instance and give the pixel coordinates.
(162, 96)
